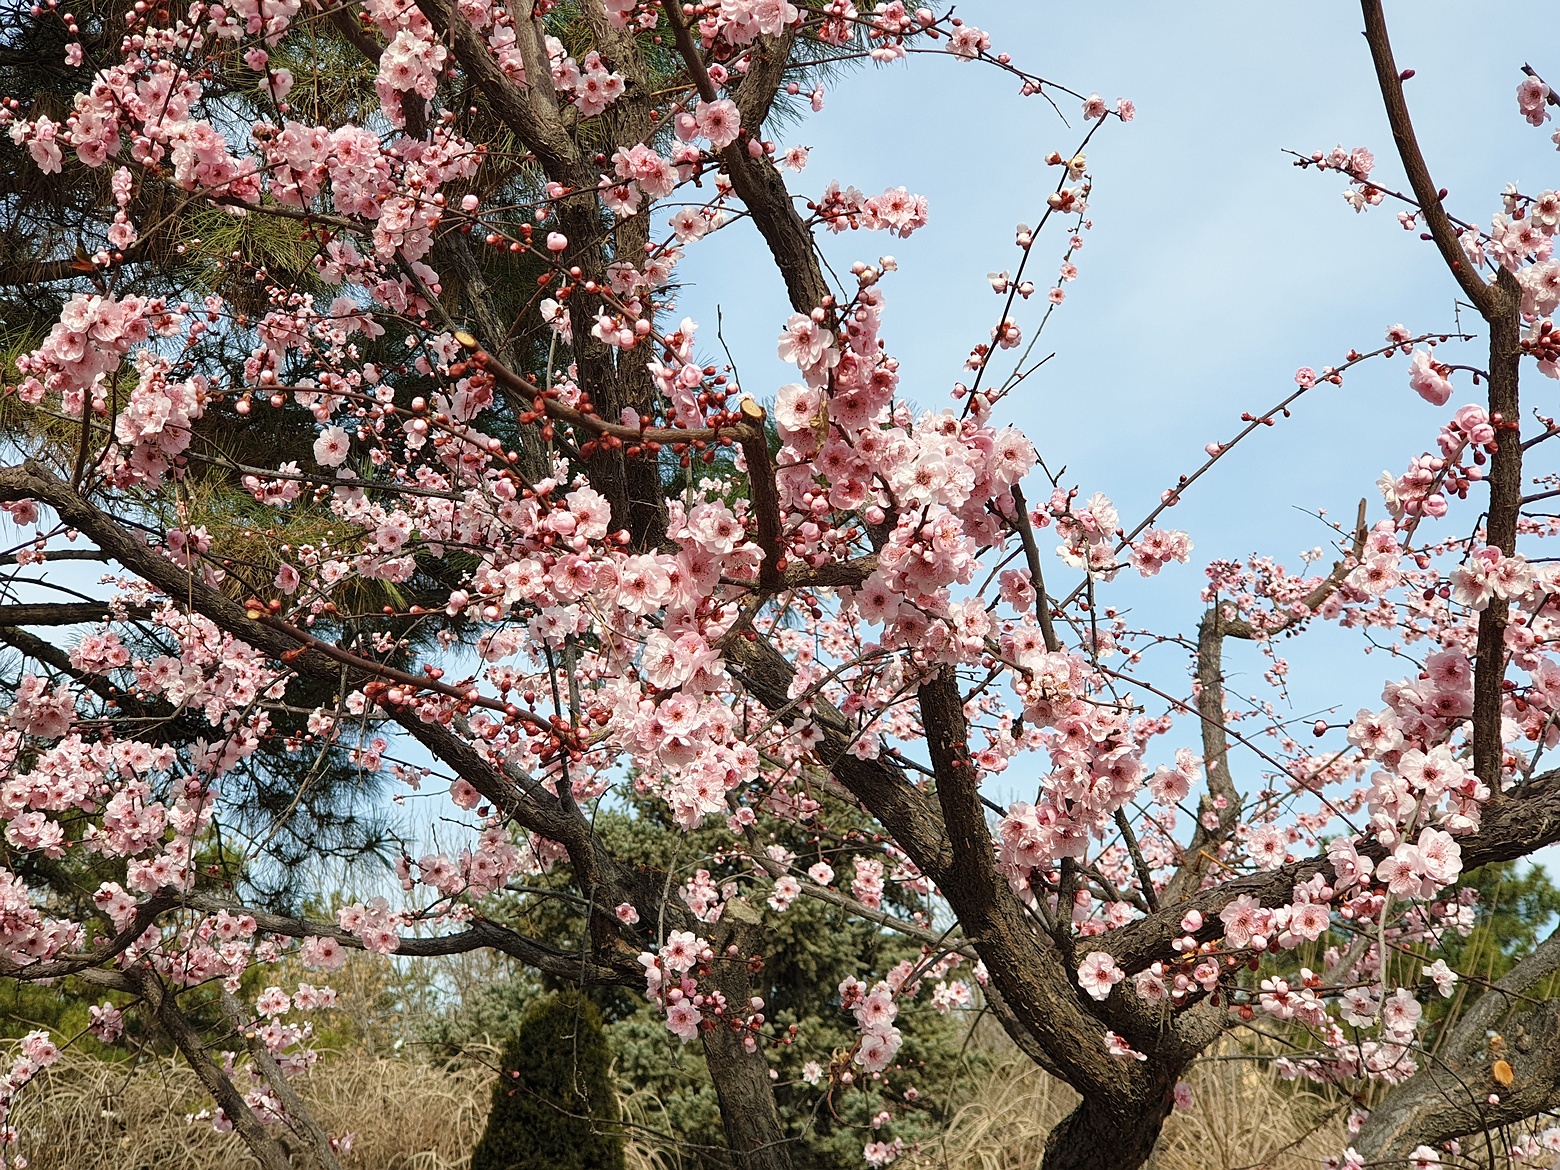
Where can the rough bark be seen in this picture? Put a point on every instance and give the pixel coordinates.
(1450, 1097)
(1109, 1134)
(316, 1140)
(1489, 673)
(266, 1149)
(61, 613)
(1221, 804)
(747, 1102)
(1499, 303)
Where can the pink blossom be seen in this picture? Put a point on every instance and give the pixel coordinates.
(330, 449)
(1118, 1047)
(968, 42)
(1532, 95)
(682, 1021)
(1098, 973)
(719, 121)
(1428, 379)
(1444, 978)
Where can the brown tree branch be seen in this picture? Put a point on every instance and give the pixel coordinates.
(482, 933)
(529, 806)
(1425, 191)
(754, 1133)
(1222, 802)
(1145, 876)
(758, 184)
(884, 791)
(1216, 625)
(1526, 820)
(315, 1137)
(145, 915)
(1505, 507)
(527, 111)
(144, 982)
(1458, 1094)
(1500, 305)
(1026, 536)
(62, 613)
(762, 493)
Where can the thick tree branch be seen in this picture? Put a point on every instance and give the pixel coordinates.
(756, 90)
(23, 273)
(1499, 304)
(914, 821)
(756, 1138)
(344, 19)
(145, 915)
(1425, 191)
(317, 1140)
(63, 613)
(1219, 810)
(1026, 536)
(972, 877)
(266, 1149)
(1505, 508)
(758, 184)
(482, 933)
(762, 493)
(525, 110)
(1456, 1094)
(1526, 820)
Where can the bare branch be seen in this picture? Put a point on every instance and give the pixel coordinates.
(1425, 191)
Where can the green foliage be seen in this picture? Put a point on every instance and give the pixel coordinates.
(553, 1106)
(812, 947)
(1515, 909)
(809, 950)
(484, 1013)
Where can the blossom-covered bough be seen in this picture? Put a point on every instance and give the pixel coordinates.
(614, 567)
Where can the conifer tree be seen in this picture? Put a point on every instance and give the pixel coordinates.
(553, 1106)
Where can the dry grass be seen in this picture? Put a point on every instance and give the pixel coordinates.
(1242, 1118)
(90, 1115)
(1004, 1127)
(404, 1116)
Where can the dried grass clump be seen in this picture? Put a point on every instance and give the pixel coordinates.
(92, 1115)
(89, 1114)
(1243, 1117)
(1004, 1126)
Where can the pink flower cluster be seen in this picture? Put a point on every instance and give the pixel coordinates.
(671, 982)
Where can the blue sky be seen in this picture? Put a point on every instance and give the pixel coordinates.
(1214, 269)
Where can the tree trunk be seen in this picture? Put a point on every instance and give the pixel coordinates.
(747, 1100)
(1103, 1134)
(1461, 1092)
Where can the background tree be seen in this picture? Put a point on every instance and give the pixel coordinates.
(811, 948)
(553, 1104)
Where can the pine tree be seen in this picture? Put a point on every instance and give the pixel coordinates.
(553, 1106)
